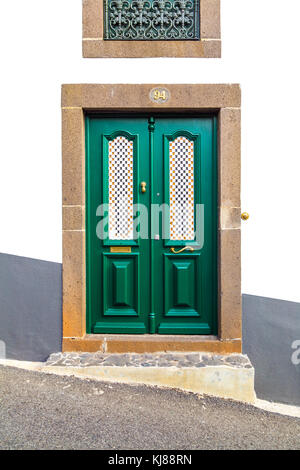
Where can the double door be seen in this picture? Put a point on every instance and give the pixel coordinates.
(151, 224)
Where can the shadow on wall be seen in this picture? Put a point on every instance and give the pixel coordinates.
(31, 326)
(271, 338)
(30, 308)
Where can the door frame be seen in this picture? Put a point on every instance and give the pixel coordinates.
(222, 100)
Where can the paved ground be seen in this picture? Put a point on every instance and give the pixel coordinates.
(39, 411)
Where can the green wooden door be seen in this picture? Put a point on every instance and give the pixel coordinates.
(151, 224)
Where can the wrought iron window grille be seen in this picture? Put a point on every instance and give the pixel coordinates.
(151, 20)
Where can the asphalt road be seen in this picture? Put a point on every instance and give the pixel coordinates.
(39, 411)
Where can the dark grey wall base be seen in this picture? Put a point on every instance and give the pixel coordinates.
(270, 327)
(30, 308)
(31, 326)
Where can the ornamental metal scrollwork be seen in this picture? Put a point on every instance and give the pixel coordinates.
(151, 20)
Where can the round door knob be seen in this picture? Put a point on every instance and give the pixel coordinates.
(245, 216)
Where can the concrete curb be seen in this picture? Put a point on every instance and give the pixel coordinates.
(280, 408)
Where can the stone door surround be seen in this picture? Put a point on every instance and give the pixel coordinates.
(94, 44)
(225, 100)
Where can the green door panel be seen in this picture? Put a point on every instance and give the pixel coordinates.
(120, 284)
(182, 280)
(147, 288)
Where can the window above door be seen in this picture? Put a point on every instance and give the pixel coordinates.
(132, 28)
(151, 20)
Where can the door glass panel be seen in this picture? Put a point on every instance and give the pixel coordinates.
(120, 162)
(181, 164)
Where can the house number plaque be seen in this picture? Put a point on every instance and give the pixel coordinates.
(159, 95)
(151, 20)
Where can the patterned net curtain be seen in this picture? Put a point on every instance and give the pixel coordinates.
(151, 20)
(120, 189)
(181, 165)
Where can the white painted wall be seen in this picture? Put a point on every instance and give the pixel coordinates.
(41, 49)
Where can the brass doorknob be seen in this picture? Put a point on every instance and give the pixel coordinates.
(245, 216)
(143, 186)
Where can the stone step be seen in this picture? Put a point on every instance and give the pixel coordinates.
(226, 376)
(149, 360)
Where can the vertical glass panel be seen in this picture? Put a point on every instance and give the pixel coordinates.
(181, 164)
(120, 161)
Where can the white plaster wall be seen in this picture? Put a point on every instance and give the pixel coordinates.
(41, 48)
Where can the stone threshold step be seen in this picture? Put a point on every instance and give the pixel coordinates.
(179, 360)
(225, 376)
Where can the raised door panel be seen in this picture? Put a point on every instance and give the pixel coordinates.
(182, 276)
(121, 284)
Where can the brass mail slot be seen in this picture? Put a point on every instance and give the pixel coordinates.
(120, 249)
